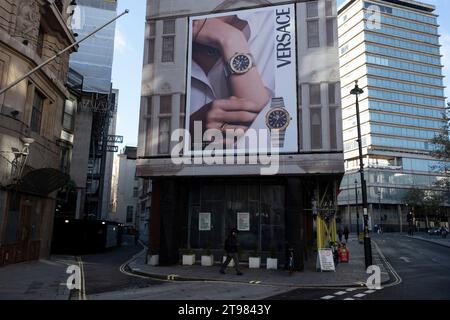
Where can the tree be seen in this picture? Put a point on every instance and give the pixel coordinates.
(441, 151)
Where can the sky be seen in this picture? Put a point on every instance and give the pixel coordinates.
(127, 68)
(129, 51)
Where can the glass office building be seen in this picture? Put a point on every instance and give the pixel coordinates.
(392, 49)
(94, 58)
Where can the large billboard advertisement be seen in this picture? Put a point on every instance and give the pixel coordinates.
(242, 77)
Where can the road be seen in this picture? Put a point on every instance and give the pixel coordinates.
(102, 272)
(422, 271)
(423, 267)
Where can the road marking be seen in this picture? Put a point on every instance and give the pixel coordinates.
(122, 268)
(327, 298)
(340, 293)
(255, 282)
(351, 289)
(398, 279)
(82, 292)
(349, 299)
(359, 295)
(406, 259)
(370, 291)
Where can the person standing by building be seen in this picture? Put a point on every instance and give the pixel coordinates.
(346, 233)
(231, 248)
(340, 232)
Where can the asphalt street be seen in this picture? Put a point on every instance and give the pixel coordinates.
(420, 271)
(424, 269)
(102, 272)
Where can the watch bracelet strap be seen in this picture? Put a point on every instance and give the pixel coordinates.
(280, 141)
(278, 103)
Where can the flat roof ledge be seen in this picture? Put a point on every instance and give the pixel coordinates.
(407, 3)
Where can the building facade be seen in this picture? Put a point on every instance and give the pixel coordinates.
(33, 152)
(392, 48)
(95, 123)
(195, 205)
(125, 189)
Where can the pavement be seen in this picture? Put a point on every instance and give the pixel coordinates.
(347, 274)
(36, 280)
(445, 242)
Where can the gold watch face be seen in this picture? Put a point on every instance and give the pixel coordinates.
(241, 63)
(278, 119)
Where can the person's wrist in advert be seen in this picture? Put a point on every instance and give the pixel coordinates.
(233, 42)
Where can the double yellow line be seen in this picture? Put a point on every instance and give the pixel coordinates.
(82, 291)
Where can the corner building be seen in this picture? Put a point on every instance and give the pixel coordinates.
(396, 59)
(195, 205)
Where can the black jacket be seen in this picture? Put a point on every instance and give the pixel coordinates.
(231, 244)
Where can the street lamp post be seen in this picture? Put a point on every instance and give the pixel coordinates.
(379, 211)
(367, 242)
(356, 206)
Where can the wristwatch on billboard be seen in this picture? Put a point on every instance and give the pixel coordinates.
(277, 120)
(240, 63)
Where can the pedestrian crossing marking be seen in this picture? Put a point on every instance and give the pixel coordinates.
(327, 298)
(370, 291)
(351, 289)
(359, 295)
(340, 293)
(349, 299)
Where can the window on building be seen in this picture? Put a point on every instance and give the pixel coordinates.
(300, 129)
(314, 94)
(69, 115)
(130, 211)
(169, 27)
(332, 93)
(36, 114)
(165, 115)
(300, 93)
(168, 49)
(168, 41)
(164, 135)
(165, 105)
(182, 111)
(316, 128)
(330, 32)
(149, 126)
(66, 157)
(135, 192)
(313, 33)
(312, 9)
(152, 27)
(59, 4)
(151, 50)
(329, 8)
(40, 42)
(333, 129)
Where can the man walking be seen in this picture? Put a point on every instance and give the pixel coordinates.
(231, 247)
(346, 233)
(340, 232)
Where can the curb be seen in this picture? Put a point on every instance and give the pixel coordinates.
(174, 277)
(430, 241)
(177, 278)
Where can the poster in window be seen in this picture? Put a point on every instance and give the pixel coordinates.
(243, 221)
(204, 221)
